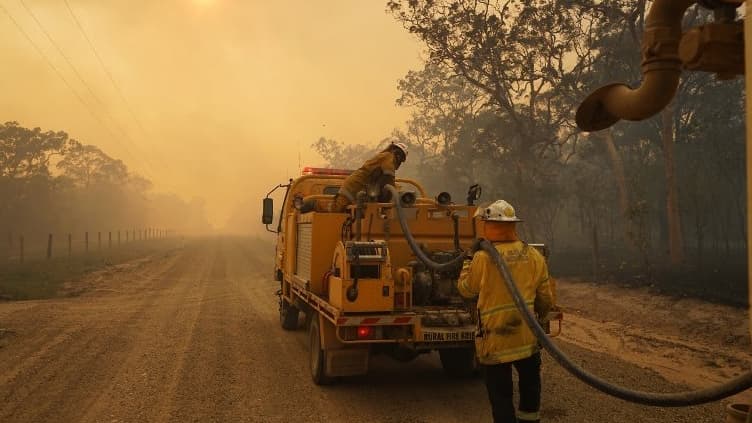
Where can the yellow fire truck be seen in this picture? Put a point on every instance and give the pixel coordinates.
(361, 287)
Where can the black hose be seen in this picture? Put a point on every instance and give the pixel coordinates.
(352, 291)
(456, 222)
(437, 267)
(674, 399)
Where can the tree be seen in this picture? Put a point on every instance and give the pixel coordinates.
(338, 154)
(528, 78)
(85, 165)
(27, 152)
(51, 183)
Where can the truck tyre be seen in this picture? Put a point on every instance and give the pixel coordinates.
(459, 362)
(317, 355)
(288, 315)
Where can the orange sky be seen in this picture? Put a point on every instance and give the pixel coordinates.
(226, 91)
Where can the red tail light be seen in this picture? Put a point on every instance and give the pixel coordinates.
(365, 332)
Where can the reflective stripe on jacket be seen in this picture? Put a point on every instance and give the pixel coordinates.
(506, 337)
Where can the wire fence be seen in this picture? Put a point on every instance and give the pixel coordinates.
(21, 248)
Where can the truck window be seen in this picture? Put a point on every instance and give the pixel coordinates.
(331, 189)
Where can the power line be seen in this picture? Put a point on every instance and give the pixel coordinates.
(107, 72)
(83, 81)
(60, 75)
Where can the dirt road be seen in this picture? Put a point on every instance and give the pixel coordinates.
(193, 335)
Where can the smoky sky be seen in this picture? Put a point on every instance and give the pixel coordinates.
(224, 96)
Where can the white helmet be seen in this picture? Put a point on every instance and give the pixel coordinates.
(402, 147)
(498, 211)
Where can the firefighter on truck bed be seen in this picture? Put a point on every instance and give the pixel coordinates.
(375, 173)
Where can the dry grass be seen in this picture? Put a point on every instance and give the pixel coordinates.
(41, 278)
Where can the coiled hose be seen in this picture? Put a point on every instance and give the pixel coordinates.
(674, 399)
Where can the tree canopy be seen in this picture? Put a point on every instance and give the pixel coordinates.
(51, 183)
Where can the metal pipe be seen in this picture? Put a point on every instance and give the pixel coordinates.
(748, 65)
(661, 69)
(359, 205)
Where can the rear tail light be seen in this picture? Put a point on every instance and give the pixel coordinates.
(361, 333)
(365, 332)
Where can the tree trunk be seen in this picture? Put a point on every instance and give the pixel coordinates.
(619, 175)
(699, 233)
(675, 242)
(621, 184)
(595, 250)
(742, 219)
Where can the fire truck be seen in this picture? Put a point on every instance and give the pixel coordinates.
(358, 283)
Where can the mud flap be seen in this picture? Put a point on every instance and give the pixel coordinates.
(347, 362)
(341, 359)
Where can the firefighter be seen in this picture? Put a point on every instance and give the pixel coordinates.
(375, 172)
(504, 340)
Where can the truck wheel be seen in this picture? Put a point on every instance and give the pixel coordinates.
(458, 362)
(288, 315)
(318, 355)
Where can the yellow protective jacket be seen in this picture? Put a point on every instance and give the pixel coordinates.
(377, 170)
(506, 337)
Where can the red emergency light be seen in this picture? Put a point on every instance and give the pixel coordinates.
(308, 170)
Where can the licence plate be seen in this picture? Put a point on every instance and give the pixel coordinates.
(448, 334)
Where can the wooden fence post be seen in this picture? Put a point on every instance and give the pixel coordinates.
(70, 245)
(118, 237)
(21, 247)
(86, 242)
(109, 239)
(99, 240)
(49, 247)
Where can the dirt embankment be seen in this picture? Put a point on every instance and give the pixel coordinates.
(685, 340)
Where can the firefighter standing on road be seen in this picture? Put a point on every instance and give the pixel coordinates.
(504, 340)
(377, 171)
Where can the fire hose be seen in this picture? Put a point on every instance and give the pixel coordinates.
(437, 267)
(674, 399)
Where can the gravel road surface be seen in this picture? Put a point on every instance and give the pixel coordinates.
(192, 335)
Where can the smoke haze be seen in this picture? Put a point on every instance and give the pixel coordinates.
(225, 94)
